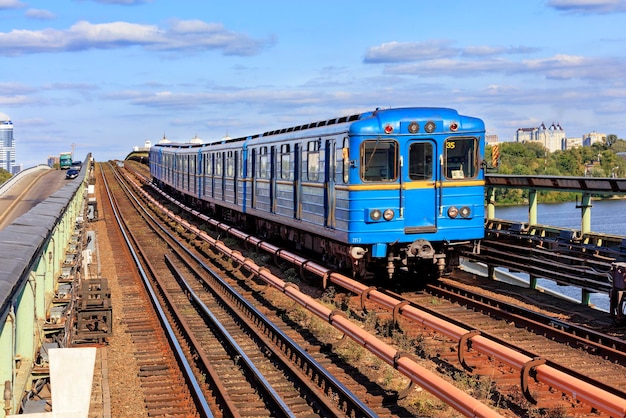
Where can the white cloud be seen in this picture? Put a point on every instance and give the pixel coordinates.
(11, 4)
(395, 52)
(410, 51)
(40, 14)
(124, 2)
(191, 35)
(588, 6)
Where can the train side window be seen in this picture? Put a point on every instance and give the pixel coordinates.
(313, 160)
(218, 164)
(460, 161)
(240, 163)
(421, 161)
(209, 164)
(263, 163)
(379, 160)
(230, 164)
(285, 160)
(345, 152)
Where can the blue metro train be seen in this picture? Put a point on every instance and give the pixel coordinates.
(378, 192)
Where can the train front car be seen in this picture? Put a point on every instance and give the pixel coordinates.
(416, 190)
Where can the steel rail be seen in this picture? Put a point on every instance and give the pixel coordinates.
(248, 363)
(433, 383)
(347, 397)
(201, 402)
(530, 320)
(598, 398)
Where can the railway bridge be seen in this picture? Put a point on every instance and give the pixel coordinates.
(42, 250)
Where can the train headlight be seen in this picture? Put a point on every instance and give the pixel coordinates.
(430, 126)
(413, 127)
(376, 214)
(453, 212)
(465, 212)
(388, 214)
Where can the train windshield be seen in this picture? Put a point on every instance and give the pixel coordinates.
(460, 161)
(379, 160)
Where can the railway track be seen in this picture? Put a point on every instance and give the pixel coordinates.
(595, 362)
(252, 373)
(532, 396)
(163, 384)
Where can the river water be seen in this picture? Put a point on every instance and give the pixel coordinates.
(607, 217)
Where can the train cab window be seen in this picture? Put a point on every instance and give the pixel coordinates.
(345, 154)
(313, 160)
(285, 159)
(460, 160)
(379, 160)
(263, 164)
(421, 161)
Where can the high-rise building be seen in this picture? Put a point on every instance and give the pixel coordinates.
(7, 146)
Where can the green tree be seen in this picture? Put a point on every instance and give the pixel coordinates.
(619, 146)
(4, 175)
(598, 160)
(610, 140)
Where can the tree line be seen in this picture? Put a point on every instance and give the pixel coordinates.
(4, 175)
(531, 158)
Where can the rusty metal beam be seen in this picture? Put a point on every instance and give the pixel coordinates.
(600, 185)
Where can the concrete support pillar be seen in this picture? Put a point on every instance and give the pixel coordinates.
(585, 211)
(532, 207)
(491, 202)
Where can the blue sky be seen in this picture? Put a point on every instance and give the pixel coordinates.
(107, 75)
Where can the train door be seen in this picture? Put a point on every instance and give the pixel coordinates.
(200, 175)
(235, 177)
(272, 190)
(222, 168)
(329, 183)
(420, 177)
(211, 174)
(297, 181)
(253, 175)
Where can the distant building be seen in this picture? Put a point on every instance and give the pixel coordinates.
(571, 143)
(593, 137)
(7, 146)
(491, 139)
(53, 161)
(146, 145)
(552, 138)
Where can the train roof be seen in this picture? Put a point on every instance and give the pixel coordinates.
(345, 124)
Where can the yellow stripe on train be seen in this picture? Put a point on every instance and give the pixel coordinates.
(410, 185)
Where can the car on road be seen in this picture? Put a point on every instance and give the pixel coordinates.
(72, 173)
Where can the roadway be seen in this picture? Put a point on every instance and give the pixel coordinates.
(29, 190)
